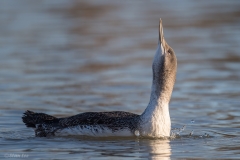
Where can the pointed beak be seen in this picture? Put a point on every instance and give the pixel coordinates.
(162, 41)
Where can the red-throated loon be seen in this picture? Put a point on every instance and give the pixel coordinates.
(153, 122)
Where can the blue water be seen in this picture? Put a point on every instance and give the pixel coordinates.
(68, 57)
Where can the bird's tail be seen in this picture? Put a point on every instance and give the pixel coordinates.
(42, 123)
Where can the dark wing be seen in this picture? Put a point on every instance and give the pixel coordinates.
(47, 125)
(110, 119)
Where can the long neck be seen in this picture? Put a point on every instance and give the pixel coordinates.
(162, 86)
(155, 120)
(159, 102)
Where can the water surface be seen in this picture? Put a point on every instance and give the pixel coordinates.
(68, 57)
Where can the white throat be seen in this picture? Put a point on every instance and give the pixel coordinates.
(155, 120)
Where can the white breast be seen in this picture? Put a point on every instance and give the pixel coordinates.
(155, 121)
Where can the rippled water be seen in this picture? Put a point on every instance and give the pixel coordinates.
(68, 57)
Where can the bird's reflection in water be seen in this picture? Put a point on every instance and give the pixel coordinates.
(131, 147)
(157, 149)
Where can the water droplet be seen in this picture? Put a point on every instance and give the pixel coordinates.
(191, 133)
(137, 133)
(183, 128)
(206, 135)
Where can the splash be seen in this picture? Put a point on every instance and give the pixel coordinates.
(191, 133)
(182, 132)
(177, 131)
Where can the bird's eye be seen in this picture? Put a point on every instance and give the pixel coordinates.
(169, 51)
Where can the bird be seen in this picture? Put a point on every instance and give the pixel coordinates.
(153, 122)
